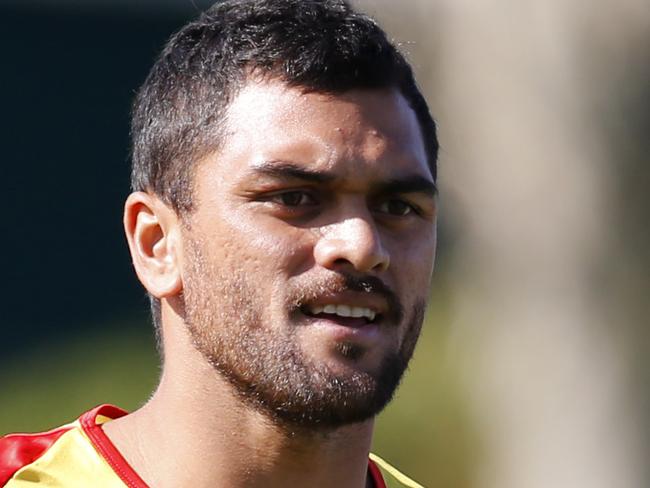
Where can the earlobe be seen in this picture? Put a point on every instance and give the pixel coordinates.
(151, 229)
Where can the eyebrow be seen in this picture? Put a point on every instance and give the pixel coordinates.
(408, 184)
(281, 169)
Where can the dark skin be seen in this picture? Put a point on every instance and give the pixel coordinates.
(305, 188)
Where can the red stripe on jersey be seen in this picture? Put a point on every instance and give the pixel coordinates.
(19, 450)
(377, 478)
(105, 447)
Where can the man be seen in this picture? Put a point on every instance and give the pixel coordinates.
(283, 222)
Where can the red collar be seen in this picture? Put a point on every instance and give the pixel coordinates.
(106, 448)
(123, 469)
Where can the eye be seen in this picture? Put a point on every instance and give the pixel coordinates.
(396, 207)
(294, 199)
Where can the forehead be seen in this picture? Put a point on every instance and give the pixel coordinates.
(355, 133)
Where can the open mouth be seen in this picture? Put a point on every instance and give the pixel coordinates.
(342, 314)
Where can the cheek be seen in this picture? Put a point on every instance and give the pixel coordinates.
(270, 246)
(411, 268)
(413, 256)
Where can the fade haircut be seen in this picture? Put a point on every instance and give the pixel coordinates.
(315, 45)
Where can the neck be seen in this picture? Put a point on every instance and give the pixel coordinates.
(196, 431)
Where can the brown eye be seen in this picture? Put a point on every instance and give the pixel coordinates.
(294, 198)
(396, 207)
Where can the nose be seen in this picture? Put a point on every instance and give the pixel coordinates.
(354, 242)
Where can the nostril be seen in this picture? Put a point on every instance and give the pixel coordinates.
(352, 245)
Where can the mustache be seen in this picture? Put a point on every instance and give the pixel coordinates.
(341, 282)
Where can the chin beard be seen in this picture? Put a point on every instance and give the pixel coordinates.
(271, 375)
(266, 367)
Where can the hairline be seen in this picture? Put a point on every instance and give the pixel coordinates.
(218, 131)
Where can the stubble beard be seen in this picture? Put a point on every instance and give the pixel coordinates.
(266, 366)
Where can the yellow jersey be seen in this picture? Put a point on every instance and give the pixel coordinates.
(80, 455)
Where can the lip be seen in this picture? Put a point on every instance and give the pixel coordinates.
(372, 301)
(345, 329)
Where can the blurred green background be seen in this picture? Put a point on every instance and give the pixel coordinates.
(532, 368)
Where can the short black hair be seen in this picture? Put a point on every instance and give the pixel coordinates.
(317, 45)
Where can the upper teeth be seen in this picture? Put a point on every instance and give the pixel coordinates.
(343, 311)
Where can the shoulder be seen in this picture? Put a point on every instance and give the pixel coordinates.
(392, 477)
(18, 451)
(64, 456)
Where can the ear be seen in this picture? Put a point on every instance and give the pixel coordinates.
(152, 231)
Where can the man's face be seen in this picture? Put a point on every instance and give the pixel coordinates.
(307, 260)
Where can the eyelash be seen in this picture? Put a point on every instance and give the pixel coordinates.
(307, 199)
(408, 207)
(281, 198)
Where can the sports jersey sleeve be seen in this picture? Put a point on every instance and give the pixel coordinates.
(63, 457)
(20, 450)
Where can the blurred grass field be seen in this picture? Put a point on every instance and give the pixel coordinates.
(425, 431)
